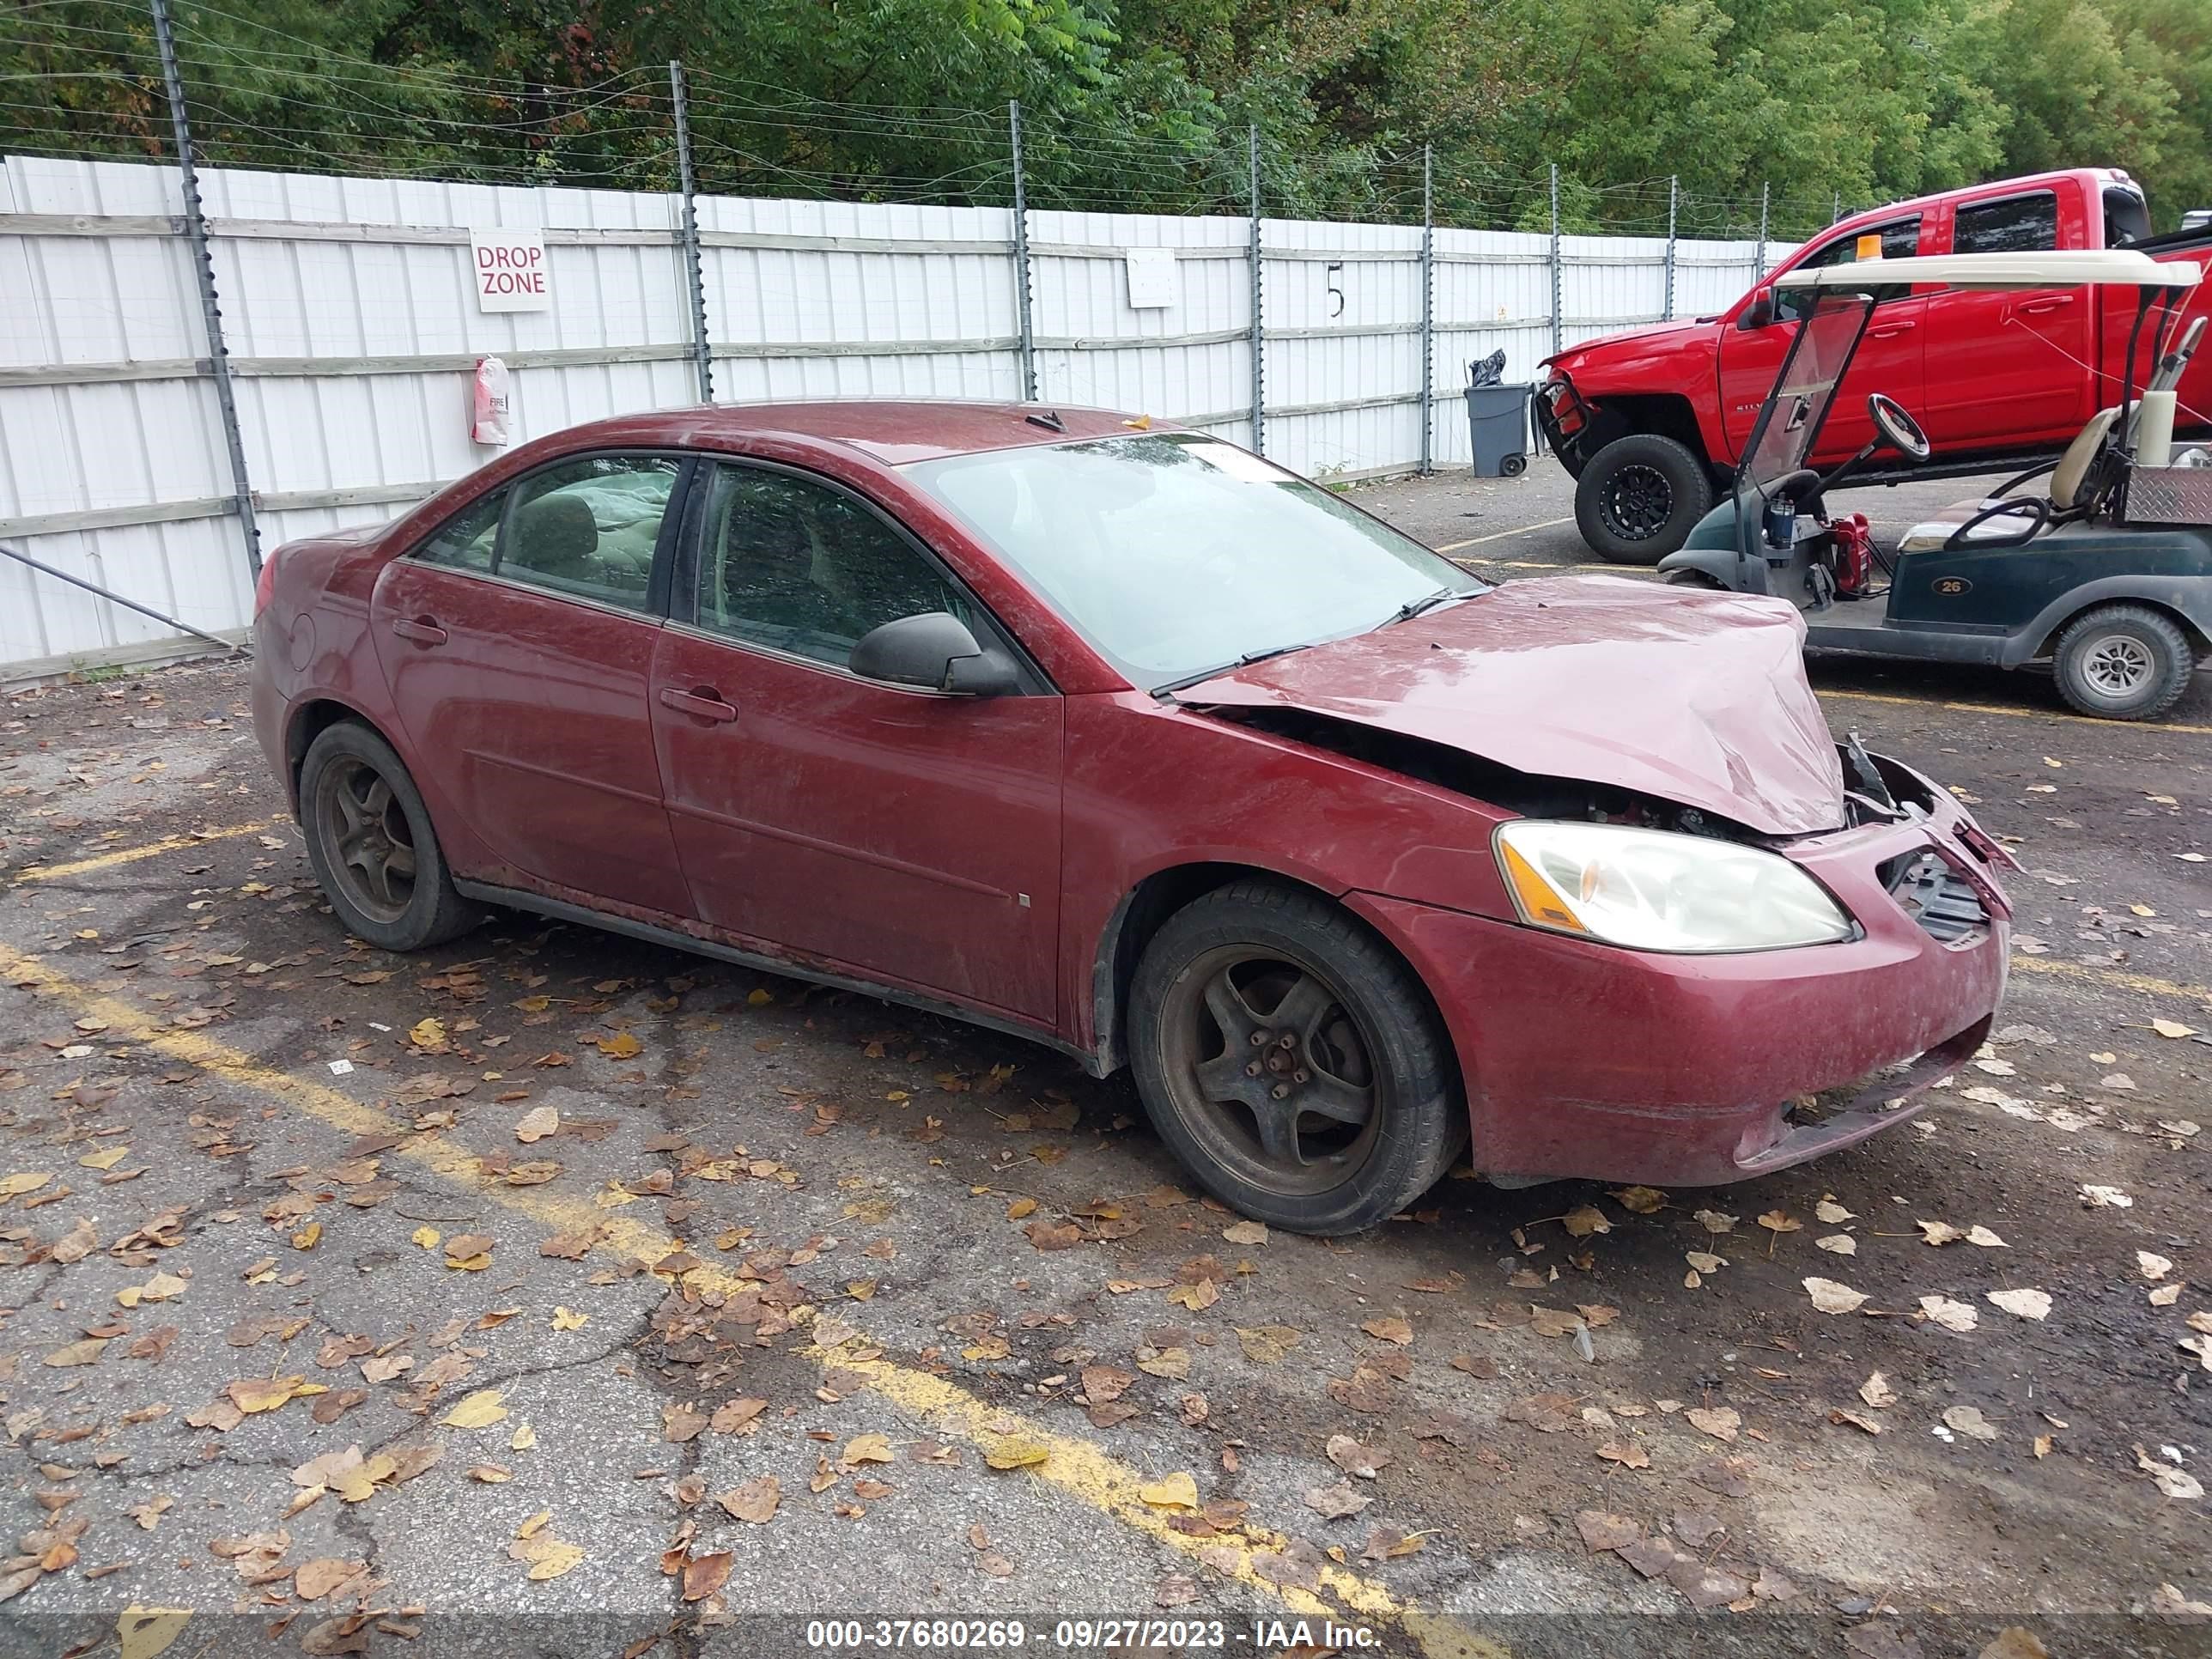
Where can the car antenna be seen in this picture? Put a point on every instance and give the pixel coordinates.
(1048, 419)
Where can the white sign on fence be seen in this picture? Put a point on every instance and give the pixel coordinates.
(1151, 277)
(510, 273)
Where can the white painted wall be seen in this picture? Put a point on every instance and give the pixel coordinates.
(334, 289)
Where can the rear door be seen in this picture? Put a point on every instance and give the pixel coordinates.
(902, 835)
(517, 640)
(2009, 369)
(1889, 357)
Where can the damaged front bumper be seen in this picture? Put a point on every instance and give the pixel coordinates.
(1586, 1060)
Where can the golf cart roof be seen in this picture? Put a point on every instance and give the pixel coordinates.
(2128, 267)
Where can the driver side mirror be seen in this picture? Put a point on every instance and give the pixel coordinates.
(933, 650)
(1760, 313)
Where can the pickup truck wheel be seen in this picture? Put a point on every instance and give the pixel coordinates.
(2124, 662)
(1292, 1061)
(1638, 498)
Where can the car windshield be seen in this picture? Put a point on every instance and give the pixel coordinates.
(1799, 404)
(1176, 554)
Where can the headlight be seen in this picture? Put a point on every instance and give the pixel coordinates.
(1652, 890)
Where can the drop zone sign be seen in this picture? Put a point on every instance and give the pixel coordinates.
(510, 271)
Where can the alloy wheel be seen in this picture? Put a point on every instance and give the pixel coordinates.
(1638, 503)
(2117, 666)
(1270, 1070)
(366, 833)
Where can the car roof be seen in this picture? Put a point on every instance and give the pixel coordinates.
(892, 431)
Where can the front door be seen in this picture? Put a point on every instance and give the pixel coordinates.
(1890, 357)
(898, 835)
(517, 642)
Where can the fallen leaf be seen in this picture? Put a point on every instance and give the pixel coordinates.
(705, 1574)
(1837, 1244)
(755, 1502)
(313, 1580)
(1778, 1221)
(1355, 1459)
(2165, 1028)
(2026, 1304)
(2153, 1265)
(867, 1449)
(621, 1046)
(1393, 1329)
(1626, 1453)
(1585, 1219)
(1246, 1233)
(537, 1123)
(1831, 1297)
(1016, 1455)
(2106, 1198)
(1602, 1529)
(1719, 1421)
(1174, 1491)
(1713, 1221)
(1969, 1421)
(1833, 1213)
(85, 1351)
(479, 1410)
(1876, 1391)
(428, 1035)
(1951, 1316)
(1639, 1200)
(2175, 1483)
(1335, 1502)
(568, 1319)
(145, 1632)
(1021, 1209)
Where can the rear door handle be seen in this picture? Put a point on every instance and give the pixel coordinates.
(423, 631)
(703, 702)
(2042, 305)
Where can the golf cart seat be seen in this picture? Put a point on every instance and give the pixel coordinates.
(2018, 518)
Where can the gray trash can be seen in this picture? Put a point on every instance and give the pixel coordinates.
(1498, 421)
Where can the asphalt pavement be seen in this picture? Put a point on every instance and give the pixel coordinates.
(549, 1292)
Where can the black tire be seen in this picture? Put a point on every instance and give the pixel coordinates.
(1512, 466)
(1359, 1013)
(1639, 497)
(2124, 662)
(372, 845)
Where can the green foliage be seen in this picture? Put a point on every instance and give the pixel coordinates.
(1145, 104)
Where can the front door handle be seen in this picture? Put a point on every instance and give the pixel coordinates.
(423, 631)
(2042, 305)
(1890, 330)
(701, 701)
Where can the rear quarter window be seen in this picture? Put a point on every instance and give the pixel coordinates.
(2019, 224)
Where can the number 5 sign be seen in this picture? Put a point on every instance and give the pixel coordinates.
(509, 270)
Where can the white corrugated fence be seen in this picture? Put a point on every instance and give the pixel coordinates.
(353, 331)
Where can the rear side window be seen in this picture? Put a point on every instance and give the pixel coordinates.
(588, 528)
(2019, 224)
(467, 542)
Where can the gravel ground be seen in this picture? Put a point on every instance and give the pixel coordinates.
(271, 1204)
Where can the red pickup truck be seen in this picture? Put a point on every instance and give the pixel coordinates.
(1651, 423)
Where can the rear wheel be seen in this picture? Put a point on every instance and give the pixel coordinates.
(1639, 497)
(1292, 1061)
(371, 844)
(2124, 662)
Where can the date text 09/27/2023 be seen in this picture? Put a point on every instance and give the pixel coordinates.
(996, 1636)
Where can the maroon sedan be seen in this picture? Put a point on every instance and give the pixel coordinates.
(1125, 740)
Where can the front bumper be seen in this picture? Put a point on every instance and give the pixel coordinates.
(1585, 1060)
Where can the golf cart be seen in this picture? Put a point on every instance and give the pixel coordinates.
(2108, 573)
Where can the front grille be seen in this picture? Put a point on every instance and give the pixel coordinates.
(1936, 895)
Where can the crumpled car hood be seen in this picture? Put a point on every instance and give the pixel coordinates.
(1694, 697)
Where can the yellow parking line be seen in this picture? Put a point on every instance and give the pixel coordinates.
(2113, 977)
(1499, 536)
(2016, 714)
(1078, 1469)
(132, 854)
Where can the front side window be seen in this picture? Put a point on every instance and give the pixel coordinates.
(801, 568)
(1175, 555)
(1900, 239)
(587, 528)
(2019, 224)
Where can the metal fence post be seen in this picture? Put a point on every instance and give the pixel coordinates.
(1259, 334)
(1674, 197)
(1758, 259)
(204, 269)
(1028, 345)
(1555, 259)
(701, 357)
(1428, 310)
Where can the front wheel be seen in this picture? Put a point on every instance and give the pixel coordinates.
(1639, 498)
(1292, 1061)
(2124, 662)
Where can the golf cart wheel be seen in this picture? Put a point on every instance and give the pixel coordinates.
(371, 845)
(2124, 662)
(1292, 1061)
(1639, 498)
(1512, 466)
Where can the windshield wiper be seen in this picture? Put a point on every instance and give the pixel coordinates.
(1413, 608)
(1244, 661)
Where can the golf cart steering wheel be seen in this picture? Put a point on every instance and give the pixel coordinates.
(1890, 420)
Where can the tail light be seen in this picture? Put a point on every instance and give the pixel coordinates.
(265, 585)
